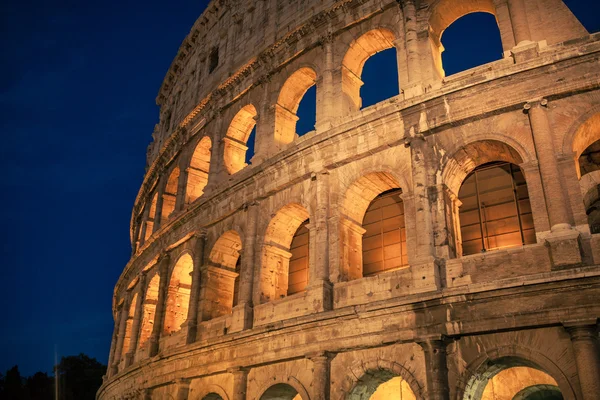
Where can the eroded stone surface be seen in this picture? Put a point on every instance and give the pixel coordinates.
(202, 309)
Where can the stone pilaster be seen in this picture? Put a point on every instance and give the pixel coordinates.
(181, 187)
(159, 314)
(113, 346)
(586, 347)
(192, 317)
(121, 334)
(437, 369)
(159, 204)
(563, 242)
(518, 17)
(183, 389)
(321, 375)
(249, 259)
(137, 320)
(411, 46)
(319, 275)
(326, 104)
(240, 383)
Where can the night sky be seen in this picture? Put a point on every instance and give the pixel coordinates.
(77, 93)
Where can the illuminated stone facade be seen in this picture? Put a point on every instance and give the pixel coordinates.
(282, 279)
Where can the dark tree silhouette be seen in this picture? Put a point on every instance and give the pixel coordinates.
(12, 385)
(40, 386)
(79, 377)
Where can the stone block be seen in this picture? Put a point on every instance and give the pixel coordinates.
(564, 248)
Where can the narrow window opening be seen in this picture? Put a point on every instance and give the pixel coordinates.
(236, 283)
(213, 60)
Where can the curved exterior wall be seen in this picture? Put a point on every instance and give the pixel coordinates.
(439, 322)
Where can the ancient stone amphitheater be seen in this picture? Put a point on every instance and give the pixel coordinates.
(441, 244)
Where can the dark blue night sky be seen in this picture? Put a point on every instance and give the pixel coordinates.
(77, 94)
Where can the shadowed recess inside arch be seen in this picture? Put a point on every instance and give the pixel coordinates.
(380, 78)
(471, 41)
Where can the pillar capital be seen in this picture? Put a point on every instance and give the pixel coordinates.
(582, 330)
(535, 103)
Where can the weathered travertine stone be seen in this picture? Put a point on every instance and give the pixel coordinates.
(262, 280)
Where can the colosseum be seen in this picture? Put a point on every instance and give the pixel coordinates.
(441, 244)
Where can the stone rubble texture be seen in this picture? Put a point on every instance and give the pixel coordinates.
(446, 324)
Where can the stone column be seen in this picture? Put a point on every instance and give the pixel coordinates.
(250, 256)
(183, 389)
(587, 356)
(518, 17)
(144, 225)
(437, 370)
(321, 371)
(544, 146)
(240, 383)
(319, 275)
(137, 321)
(121, 334)
(412, 43)
(326, 104)
(113, 345)
(424, 230)
(159, 313)
(159, 204)
(192, 317)
(181, 187)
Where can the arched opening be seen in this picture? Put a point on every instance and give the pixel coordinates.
(585, 137)
(372, 235)
(495, 211)
(149, 309)
(236, 140)
(589, 160)
(151, 215)
(384, 240)
(361, 49)
(511, 378)
(212, 396)
(275, 271)
(198, 170)
(307, 112)
(170, 194)
(221, 275)
(381, 385)
(281, 391)
(471, 41)
(129, 325)
(178, 294)
(591, 200)
(380, 78)
(298, 271)
(292, 92)
(589, 169)
(444, 14)
(539, 392)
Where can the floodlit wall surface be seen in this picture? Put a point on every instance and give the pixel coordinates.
(364, 217)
